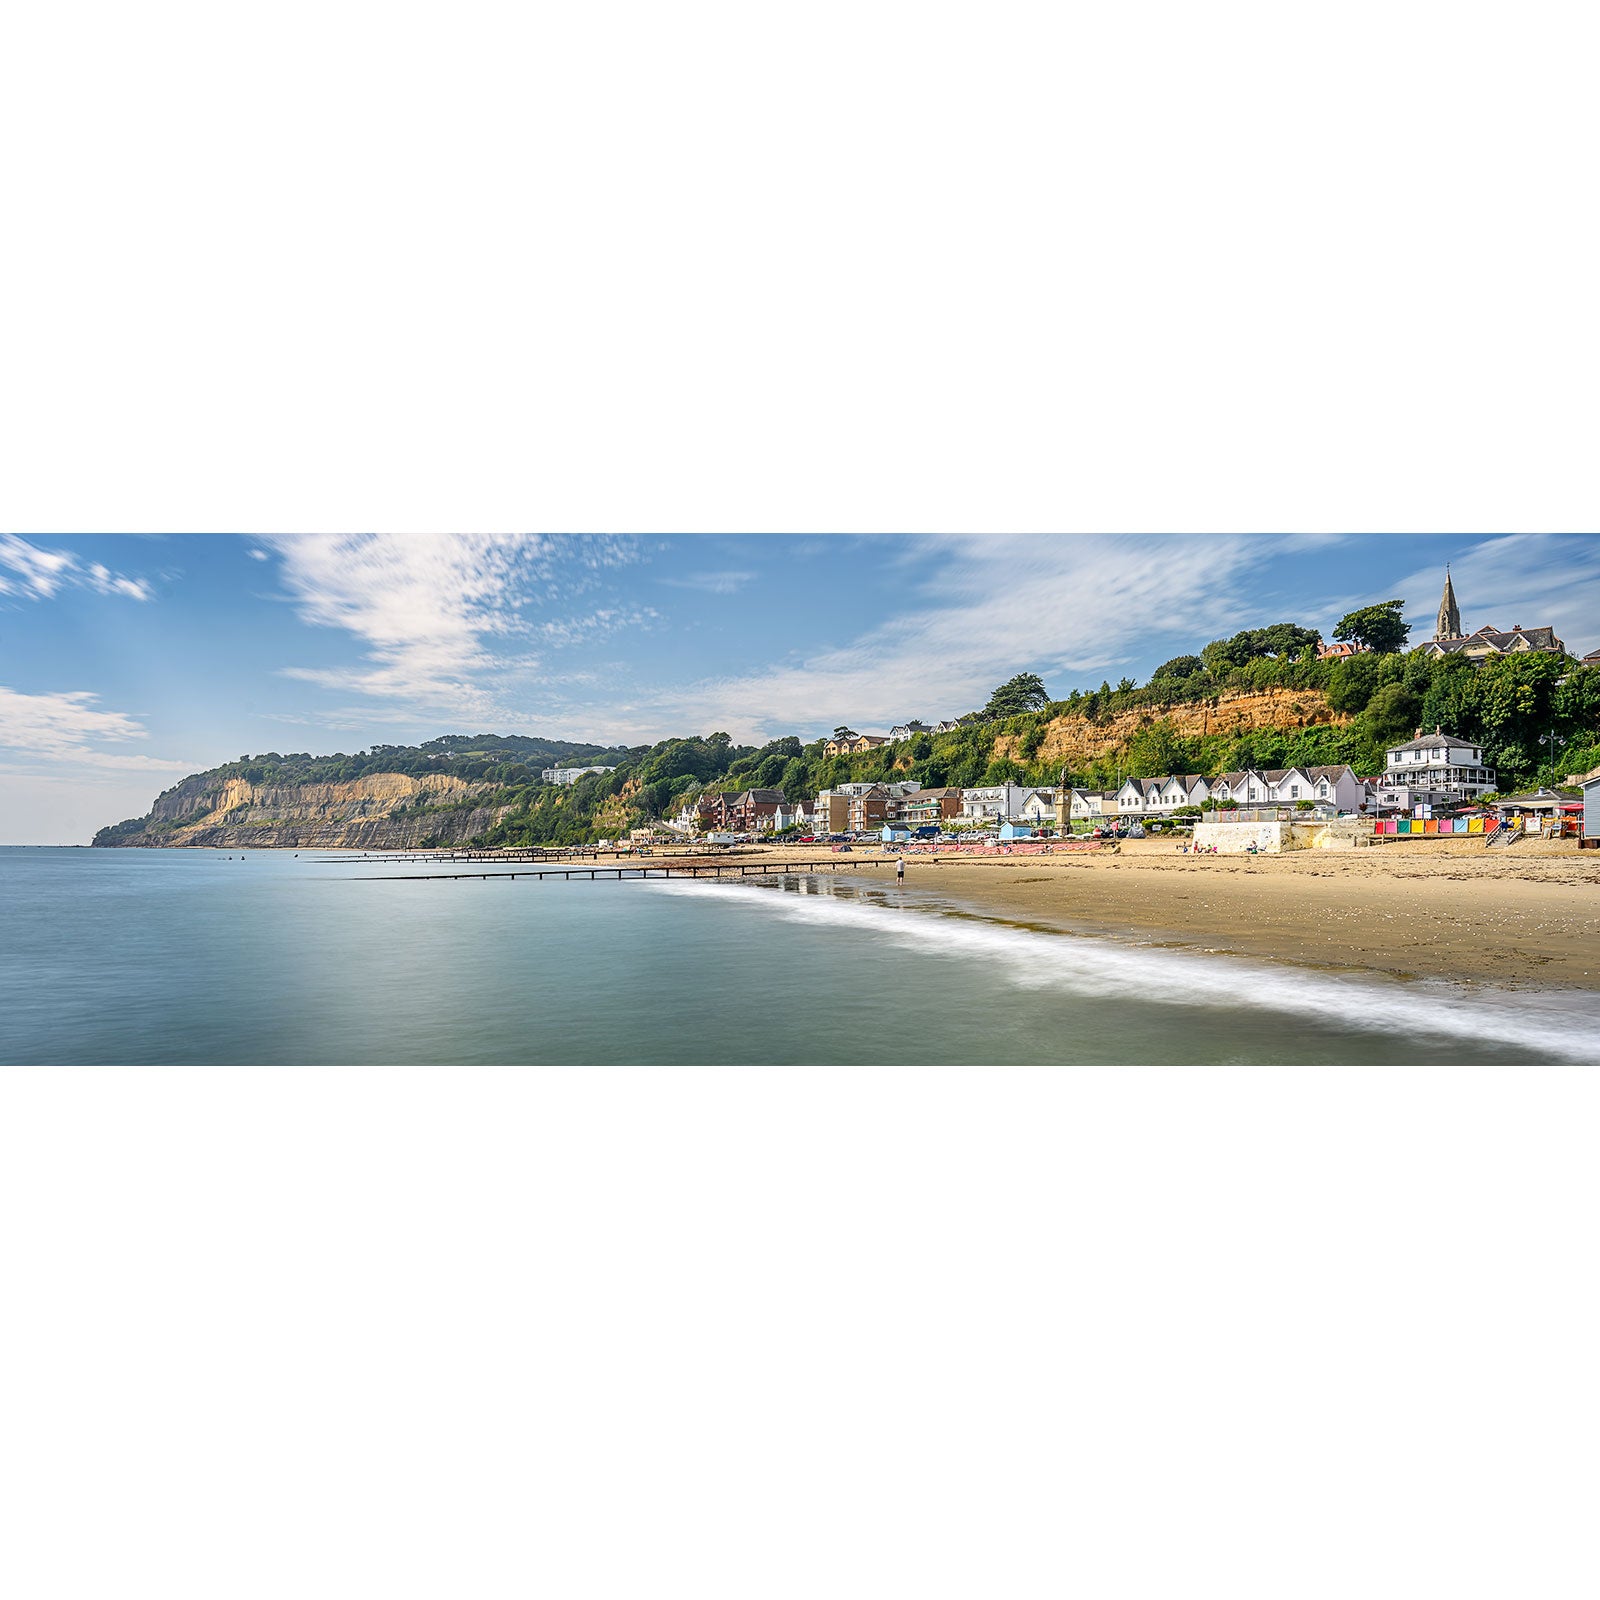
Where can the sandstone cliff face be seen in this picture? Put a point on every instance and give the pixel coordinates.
(381, 811)
(1074, 739)
(403, 832)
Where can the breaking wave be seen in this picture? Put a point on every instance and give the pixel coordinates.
(1565, 1025)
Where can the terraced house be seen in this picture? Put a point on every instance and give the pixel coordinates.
(1338, 787)
(753, 811)
(854, 744)
(928, 806)
(1162, 796)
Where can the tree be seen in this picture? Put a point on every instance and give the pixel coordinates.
(1352, 683)
(1025, 692)
(1286, 639)
(1178, 668)
(1391, 713)
(842, 733)
(1377, 628)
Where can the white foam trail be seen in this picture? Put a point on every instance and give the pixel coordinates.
(1565, 1025)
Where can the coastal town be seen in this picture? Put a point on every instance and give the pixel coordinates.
(1431, 784)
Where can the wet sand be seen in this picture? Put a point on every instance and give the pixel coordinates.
(1528, 917)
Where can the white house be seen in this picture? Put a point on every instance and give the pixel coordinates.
(1082, 804)
(998, 802)
(1184, 789)
(1040, 806)
(1138, 796)
(565, 775)
(1338, 787)
(1437, 762)
(908, 730)
(1247, 788)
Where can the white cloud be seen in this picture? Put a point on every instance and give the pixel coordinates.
(41, 573)
(597, 625)
(68, 728)
(58, 724)
(993, 605)
(712, 582)
(428, 606)
(257, 555)
(1531, 580)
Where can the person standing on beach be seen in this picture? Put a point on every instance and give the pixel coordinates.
(900, 870)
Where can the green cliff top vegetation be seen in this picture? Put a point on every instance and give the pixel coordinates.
(1508, 704)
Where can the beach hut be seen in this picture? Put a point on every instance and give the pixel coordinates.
(1590, 838)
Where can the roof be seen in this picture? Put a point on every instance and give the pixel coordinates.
(1501, 639)
(934, 794)
(761, 797)
(1433, 739)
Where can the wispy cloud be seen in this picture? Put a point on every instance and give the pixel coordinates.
(712, 582)
(429, 608)
(69, 728)
(596, 625)
(989, 606)
(1532, 580)
(40, 573)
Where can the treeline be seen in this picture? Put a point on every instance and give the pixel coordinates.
(474, 758)
(1537, 716)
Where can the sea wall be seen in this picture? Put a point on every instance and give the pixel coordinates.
(1274, 838)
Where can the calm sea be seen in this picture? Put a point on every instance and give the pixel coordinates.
(189, 956)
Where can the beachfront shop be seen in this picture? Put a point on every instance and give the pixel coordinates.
(1539, 812)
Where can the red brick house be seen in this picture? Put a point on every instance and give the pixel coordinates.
(752, 811)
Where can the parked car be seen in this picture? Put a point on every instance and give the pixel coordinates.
(806, 838)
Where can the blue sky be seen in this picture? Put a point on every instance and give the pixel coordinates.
(130, 660)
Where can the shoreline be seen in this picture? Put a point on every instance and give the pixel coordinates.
(1525, 921)
(1527, 918)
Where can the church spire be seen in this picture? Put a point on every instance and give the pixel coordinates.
(1449, 624)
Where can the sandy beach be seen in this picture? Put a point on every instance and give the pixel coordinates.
(1528, 917)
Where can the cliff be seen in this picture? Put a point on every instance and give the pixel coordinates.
(381, 811)
(1077, 740)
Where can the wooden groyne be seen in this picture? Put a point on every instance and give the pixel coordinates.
(708, 869)
(521, 853)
